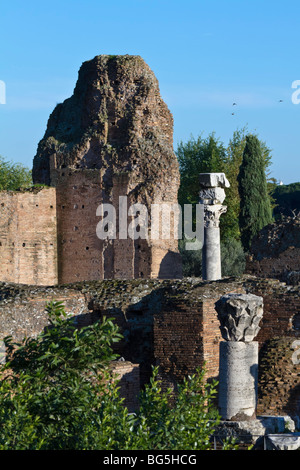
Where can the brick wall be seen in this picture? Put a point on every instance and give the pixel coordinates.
(279, 378)
(275, 250)
(49, 236)
(186, 330)
(173, 324)
(277, 267)
(28, 237)
(281, 309)
(128, 378)
(78, 195)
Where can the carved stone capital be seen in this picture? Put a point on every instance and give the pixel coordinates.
(239, 315)
(212, 214)
(212, 196)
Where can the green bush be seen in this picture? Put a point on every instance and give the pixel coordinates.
(191, 261)
(57, 393)
(14, 176)
(233, 259)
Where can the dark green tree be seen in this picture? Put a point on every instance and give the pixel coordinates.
(255, 200)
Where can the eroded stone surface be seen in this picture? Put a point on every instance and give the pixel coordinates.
(238, 380)
(115, 121)
(213, 180)
(283, 441)
(113, 138)
(239, 315)
(212, 196)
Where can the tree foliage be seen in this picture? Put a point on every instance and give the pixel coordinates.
(287, 199)
(57, 393)
(255, 201)
(198, 156)
(233, 259)
(14, 176)
(209, 154)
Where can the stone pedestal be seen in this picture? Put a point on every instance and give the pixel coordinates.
(212, 195)
(238, 380)
(239, 316)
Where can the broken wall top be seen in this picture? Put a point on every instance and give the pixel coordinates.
(115, 121)
(276, 238)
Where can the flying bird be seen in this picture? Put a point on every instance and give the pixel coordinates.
(234, 104)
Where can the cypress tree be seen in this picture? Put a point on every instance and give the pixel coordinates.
(255, 201)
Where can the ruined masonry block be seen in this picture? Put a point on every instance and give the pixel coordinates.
(112, 138)
(213, 180)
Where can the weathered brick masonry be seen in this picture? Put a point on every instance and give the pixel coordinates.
(279, 377)
(28, 237)
(113, 138)
(275, 251)
(172, 324)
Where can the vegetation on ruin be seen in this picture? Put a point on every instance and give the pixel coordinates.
(57, 392)
(14, 176)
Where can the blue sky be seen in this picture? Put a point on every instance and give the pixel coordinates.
(206, 54)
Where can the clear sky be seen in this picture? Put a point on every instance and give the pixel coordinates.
(206, 54)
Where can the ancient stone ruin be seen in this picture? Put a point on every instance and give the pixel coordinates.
(275, 251)
(110, 143)
(239, 315)
(212, 195)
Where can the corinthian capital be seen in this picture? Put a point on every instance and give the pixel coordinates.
(239, 315)
(212, 214)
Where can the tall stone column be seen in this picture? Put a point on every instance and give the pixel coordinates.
(212, 195)
(239, 315)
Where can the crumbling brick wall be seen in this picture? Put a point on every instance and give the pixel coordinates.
(128, 380)
(22, 308)
(275, 251)
(279, 377)
(171, 324)
(28, 237)
(112, 138)
(281, 308)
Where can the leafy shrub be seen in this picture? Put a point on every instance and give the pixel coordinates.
(57, 393)
(233, 259)
(14, 176)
